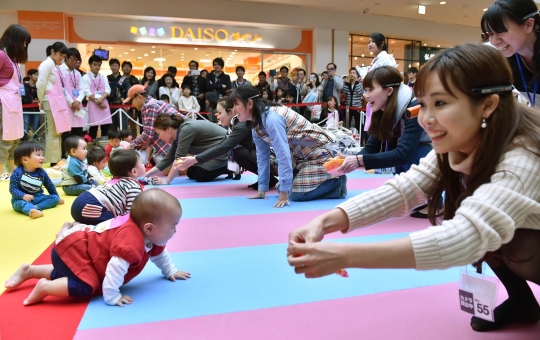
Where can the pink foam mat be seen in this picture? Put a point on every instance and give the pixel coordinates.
(203, 191)
(253, 230)
(422, 313)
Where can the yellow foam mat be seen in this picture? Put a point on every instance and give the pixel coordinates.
(23, 239)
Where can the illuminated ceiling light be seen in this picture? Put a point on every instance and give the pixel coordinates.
(438, 45)
(109, 47)
(126, 52)
(485, 9)
(132, 50)
(355, 58)
(160, 59)
(421, 9)
(153, 52)
(205, 60)
(153, 46)
(425, 44)
(443, 2)
(146, 54)
(233, 52)
(196, 49)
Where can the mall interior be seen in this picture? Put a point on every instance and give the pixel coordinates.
(233, 237)
(278, 34)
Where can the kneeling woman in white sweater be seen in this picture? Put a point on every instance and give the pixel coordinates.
(486, 158)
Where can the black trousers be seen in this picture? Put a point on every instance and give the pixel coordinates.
(73, 132)
(202, 175)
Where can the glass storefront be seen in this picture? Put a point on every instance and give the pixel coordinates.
(406, 52)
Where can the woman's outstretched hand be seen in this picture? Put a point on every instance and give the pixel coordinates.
(316, 259)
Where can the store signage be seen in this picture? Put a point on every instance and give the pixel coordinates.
(197, 34)
(185, 33)
(427, 53)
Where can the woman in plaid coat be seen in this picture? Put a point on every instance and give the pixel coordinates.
(299, 145)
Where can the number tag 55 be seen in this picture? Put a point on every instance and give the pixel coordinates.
(478, 294)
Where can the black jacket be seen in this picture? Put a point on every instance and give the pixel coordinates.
(214, 83)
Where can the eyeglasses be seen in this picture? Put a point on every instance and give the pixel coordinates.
(330, 69)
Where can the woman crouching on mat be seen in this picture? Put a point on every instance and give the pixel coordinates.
(485, 159)
(238, 141)
(189, 136)
(299, 145)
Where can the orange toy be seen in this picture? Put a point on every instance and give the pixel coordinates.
(333, 164)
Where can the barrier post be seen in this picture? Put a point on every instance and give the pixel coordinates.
(347, 113)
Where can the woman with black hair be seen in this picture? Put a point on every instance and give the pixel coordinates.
(189, 136)
(149, 81)
(211, 105)
(52, 93)
(13, 51)
(299, 145)
(513, 26)
(378, 47)
(238, 141)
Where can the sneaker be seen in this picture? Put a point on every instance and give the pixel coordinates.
(4, 177)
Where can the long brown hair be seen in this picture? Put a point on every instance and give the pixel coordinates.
(383, 122)
(13, 41)
(472, 67)
(164, 121)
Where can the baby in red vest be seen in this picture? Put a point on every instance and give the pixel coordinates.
(97, 259)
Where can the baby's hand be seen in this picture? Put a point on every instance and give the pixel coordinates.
(124, 299)
(61, 201)
(182, 275)
(28, 198)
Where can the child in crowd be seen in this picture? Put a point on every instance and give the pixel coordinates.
(114, 142)
(75, 178)
(165, 98)
(187, 102)
(264, 94)
(125, 139)
(290, 99)
(114, 198)
(280, 95)
(107, 257)
(333, 121)
(27, 180)
(97, 160)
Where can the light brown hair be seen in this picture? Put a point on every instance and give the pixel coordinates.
(472, 67)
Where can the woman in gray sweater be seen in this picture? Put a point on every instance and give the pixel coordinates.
(192, 137)
(238, 141)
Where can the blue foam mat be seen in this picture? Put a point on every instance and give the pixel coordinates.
(250, 178)
(241, 205)
(246, 278)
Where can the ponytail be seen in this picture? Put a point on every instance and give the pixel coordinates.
(164, 121)
(57, 47)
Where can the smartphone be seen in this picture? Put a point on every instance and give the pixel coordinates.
(311, 77)
(273, 73)
(195, 73)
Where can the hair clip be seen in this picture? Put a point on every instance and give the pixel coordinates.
(391, 85)
(255, 96)
(493, 89)
(528, 16)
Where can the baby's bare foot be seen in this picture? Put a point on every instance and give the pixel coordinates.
(38, 294)
(34, 213)
(22, 274)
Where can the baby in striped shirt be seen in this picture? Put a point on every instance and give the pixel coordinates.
(115, 197)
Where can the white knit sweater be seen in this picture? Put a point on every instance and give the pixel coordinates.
(484, 221)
